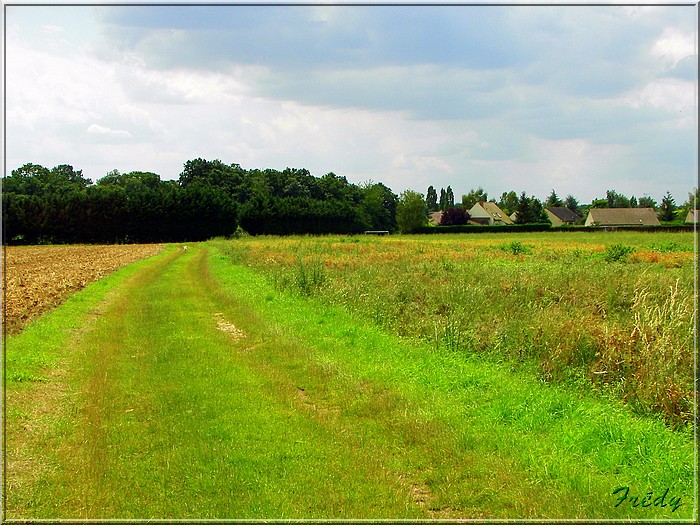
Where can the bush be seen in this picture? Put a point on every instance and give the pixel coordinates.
(454, 217)
(239, 233)
(515, 247)
(617, 252)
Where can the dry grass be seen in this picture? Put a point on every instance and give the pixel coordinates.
(566, 302)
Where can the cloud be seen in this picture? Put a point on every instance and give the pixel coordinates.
(52, 29)
(577, 98)
(292, 37)
(673, 95)
(674, 45)
(96, 129)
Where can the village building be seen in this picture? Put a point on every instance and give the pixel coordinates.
(692, 217)
(488, 213)
(435, 217)
(561, 215)
(622, 217)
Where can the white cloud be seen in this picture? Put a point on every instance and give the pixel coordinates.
(52, 29)
(666, 93)
(103, 130)
(570, 98)
(674, 45)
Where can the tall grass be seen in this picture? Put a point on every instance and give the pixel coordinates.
(477, 425)
(613, 312)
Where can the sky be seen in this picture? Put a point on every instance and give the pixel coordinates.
(578, 99)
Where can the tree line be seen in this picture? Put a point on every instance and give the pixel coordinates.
(211, 198)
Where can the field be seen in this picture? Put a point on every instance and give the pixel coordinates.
(467, 376)
(612, 311)
(39, 278)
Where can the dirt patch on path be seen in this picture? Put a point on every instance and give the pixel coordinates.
(37, 279)
(224, 326)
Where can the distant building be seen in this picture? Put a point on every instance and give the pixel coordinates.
(435, 217)
(488, 213)
(692, 217)
(560, 215)
(622, 217)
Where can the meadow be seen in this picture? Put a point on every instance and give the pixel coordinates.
(608, 311)
(460, 377)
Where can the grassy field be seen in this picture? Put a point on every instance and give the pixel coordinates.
(609, 311)
(257, 379)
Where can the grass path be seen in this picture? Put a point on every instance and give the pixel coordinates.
(194, 390)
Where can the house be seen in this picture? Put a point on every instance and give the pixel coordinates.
(622, 217)
(559, 215)
(692, 217)
(435, 217)
(488, 213)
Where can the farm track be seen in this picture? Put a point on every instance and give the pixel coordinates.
(180, 401)
(37, 279)
(110, 355)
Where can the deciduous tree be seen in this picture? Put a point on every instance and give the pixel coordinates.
(411, 212)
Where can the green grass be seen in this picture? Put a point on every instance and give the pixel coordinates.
(579, 305)
(29, 356)
(550, 438)
(159, 408)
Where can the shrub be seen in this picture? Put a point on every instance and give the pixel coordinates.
(239, 233)
(515, 247)
(454, 217)
(617, 252)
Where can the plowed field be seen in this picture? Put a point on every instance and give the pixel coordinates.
(39, 278)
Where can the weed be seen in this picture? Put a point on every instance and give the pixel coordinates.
(308, 277)
(558, 307)
(515, 247)
(617, 252)
(670, 247)
(239, 233)
(662, 330)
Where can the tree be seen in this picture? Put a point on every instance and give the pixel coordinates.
(668, 208)
(508, 202)
(530, 210)
(443, 200)
(474, 196)
(553, 200)
(572, 203)
(454, 216)
(633, 202)
(616, 200)
(33, 179)
(26, 180)
(647, 202)
(523, 213)
(411, 212)
(449, 198)
(379, 207)
(431, 199)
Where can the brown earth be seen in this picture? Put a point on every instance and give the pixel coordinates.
(39, 278)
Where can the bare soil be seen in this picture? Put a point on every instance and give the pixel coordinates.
(37, 279)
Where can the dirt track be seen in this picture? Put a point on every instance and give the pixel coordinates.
(39, 278)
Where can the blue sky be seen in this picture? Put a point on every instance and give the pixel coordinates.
(579, 99)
